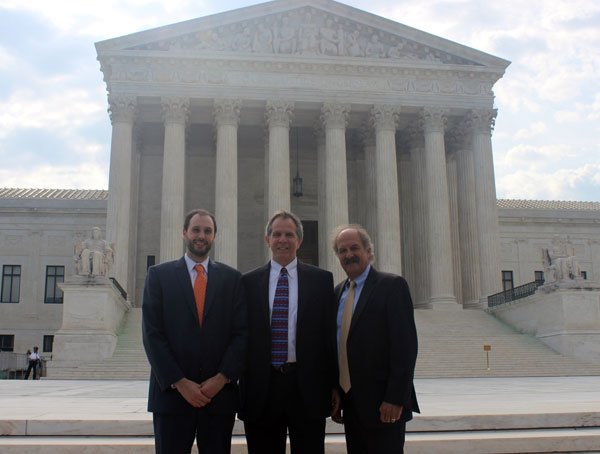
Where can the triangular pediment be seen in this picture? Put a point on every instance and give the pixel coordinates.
(310, 28)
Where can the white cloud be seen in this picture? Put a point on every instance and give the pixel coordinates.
(81, 176)
(566, 116)
(63, 110)
(533, 130)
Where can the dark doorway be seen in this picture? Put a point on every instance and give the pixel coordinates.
(309, 250)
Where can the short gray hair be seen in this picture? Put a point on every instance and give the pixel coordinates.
(285, 215)
(365, 238)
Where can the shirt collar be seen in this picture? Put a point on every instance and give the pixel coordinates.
(190, 263)
(290, 267)
(360, 280)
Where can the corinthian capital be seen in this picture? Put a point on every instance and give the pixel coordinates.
(385, 117)
(122, 108)
(227, 111)
(434, 119)
(335, 115)
(482, 120)
(174, 109)
(279, 113)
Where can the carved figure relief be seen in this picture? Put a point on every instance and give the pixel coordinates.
(305, 31)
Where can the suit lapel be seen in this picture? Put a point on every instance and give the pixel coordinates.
(363, 299)
(183, 276)
(302, 290)
(265, 274)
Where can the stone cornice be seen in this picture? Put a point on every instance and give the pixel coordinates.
(299, 72)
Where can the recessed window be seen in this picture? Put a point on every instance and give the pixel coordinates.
(539, 277)
(48, 344)
(150, 261)
(54, 275)
(507, 280)
(11, 283)
(7, 342)
(584, 274)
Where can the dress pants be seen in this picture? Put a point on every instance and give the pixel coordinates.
(175, 433)
(379, 439)
(284, 411)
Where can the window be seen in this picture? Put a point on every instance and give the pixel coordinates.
(507, 280)
(11, 282)
(584, 275)
(150, 261)
(48, 343)
(7, 342)
(539, 277)
(54, 275)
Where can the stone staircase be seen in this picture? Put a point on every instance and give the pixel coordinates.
(127, 363)
(450, 346)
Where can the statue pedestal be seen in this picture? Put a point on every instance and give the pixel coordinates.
(92, 313)
(567, 320)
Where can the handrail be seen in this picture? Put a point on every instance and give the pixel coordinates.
(120, 289)
(513, 294)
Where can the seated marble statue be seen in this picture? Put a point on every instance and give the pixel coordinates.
(94, 256)
(559, 261)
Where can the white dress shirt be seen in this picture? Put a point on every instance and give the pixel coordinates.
(193, 273)
(292, 271)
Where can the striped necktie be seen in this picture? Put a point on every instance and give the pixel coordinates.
(279, 321)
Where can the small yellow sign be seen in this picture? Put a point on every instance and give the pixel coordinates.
(487, 348)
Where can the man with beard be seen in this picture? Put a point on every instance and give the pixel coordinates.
(377, 349)
(195, 335)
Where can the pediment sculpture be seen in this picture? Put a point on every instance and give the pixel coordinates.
(305, 31)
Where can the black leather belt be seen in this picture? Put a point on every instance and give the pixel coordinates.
(285, 368)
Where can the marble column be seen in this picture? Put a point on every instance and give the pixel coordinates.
(368, 140)
(482, 122)
(420, 287)
(227, 115)
(335, 118)
(324, 247)
(389, 252)
(467, 220)
(278, 116)
(438, 215)
(451, 172)
(175, 114)
(122, 111)
(405, 180)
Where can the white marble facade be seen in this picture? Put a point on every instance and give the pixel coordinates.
(217, 112)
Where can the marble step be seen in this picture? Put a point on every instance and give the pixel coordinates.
(461, 442)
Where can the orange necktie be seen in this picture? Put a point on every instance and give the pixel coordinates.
(200, 290)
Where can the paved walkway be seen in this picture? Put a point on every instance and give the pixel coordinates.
(52, 401)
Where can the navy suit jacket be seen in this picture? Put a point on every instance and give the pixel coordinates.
(315, 341)
(382, 347)
(176, 345)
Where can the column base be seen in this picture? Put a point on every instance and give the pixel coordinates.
(445, 303)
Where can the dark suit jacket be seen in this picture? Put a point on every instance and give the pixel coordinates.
(176, 345)
(315, 341)
(382, 347)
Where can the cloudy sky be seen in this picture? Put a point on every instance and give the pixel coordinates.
(55, 132)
